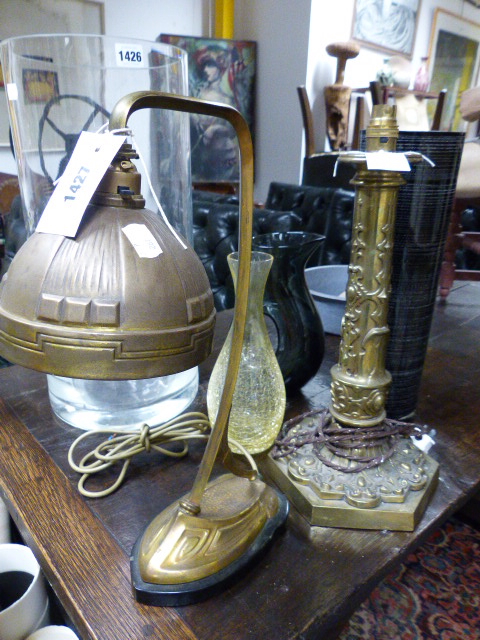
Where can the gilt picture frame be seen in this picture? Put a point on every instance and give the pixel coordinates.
(454, 59)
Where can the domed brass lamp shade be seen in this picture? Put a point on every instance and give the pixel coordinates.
(90, 307)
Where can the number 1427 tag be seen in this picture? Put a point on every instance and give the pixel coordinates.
(90, 159)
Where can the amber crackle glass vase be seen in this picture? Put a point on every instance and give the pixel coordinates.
(259, 399)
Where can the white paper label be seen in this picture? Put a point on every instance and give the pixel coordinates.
(88, 163)
(129, 55)
(387, 161)
(142, 240)
(425, 443)
(12, 91)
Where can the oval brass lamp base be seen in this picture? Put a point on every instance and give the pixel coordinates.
(182, 559)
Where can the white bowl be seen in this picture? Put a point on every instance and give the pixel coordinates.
(53, 633)
(327, 285)
(32, 609)
(4, 524)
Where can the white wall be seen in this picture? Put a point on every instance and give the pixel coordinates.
(146, 19)
(281, 28)
(292, 38)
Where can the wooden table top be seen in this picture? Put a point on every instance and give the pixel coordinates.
(305, 586)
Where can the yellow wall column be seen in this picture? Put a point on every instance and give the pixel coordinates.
(224, 18)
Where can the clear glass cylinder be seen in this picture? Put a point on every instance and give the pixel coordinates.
(60, 85)
(56, 87)
(121, 404)
(259, 399)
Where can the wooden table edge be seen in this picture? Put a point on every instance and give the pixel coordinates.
(84, 564)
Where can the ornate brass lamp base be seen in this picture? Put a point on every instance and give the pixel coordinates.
(183, 558)
(355, 468)
(390, 496)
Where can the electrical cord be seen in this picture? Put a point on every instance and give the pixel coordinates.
(121, 447)
(358, 445)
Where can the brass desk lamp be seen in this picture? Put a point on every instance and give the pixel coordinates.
(90, 307)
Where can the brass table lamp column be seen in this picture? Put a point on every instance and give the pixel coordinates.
(349, 466)
(359, 380)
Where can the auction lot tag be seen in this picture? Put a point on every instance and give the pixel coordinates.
(142, 240)
(386, 161)
(425, 443)
(129, 55)
(90, 159)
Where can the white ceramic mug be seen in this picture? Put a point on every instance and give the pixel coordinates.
(30, 609)
(53, 633)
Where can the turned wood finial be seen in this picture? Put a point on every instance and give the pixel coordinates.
(343, 51)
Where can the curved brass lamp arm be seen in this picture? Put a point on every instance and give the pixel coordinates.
(217, 445)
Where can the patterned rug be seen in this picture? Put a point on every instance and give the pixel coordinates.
(434, 595)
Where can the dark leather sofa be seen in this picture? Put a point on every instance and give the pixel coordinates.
(288, 207)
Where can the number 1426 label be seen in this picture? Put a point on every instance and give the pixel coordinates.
(129, 55)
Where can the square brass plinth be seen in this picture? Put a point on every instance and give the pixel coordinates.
(337, 512)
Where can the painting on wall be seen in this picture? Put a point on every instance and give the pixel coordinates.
(454, 56)
(387, 25)
(39, 85)
(223, 71)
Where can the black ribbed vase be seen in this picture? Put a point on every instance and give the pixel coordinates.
(421, 225)
(289, 305)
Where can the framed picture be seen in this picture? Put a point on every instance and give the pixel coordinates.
(454, 56)
(24, 17)
(223, 71)
(387, 25)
